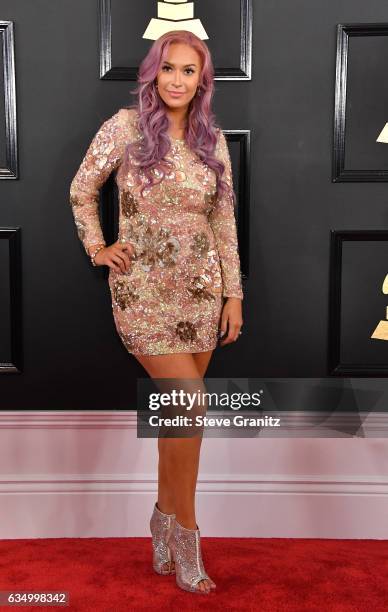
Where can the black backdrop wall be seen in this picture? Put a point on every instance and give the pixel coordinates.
(72, 356)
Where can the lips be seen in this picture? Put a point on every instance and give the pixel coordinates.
(175, 94)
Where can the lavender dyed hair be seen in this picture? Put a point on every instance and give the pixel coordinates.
(153, 123)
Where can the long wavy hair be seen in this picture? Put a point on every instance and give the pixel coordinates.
(148, 154)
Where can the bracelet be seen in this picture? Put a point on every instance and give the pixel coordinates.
(94, 253)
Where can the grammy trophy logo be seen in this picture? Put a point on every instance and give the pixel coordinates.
(175, 15)
(381, 331)
(383, 136)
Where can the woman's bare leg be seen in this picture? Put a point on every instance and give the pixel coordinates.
(202, 361)
(178, 457)
(165, 496)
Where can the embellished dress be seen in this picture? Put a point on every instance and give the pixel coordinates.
(184, 236)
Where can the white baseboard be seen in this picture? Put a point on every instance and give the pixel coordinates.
(87, 475)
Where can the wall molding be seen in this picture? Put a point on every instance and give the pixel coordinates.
(247, 484)
(129, 73)
(7, 41)
(87, 474)
(344, 33)
(294, 423)
(12, 362)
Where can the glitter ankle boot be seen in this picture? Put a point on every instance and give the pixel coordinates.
(161, 526)
(185, 548)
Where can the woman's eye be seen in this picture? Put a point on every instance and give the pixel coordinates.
(169, 67)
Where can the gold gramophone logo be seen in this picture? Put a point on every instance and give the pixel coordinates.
(175, 15)
(383, 136)
(381, 331)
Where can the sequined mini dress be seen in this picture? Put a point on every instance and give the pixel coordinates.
(185, 240)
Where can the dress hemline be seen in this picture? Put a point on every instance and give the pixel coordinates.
(175, 352)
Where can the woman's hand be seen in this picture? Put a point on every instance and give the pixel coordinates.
(231, 318)
(117, 256)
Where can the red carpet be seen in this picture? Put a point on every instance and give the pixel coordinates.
(270, 575)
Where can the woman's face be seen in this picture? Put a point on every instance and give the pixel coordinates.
(179, 72)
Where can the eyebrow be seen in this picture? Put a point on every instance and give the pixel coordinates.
(187, 65)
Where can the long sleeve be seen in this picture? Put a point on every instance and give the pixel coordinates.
(102, 157)
(223, 223)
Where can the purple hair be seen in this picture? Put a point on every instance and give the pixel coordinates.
(153, 123)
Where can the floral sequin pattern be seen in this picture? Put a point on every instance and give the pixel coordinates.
(129, 233)
(210, 202)
(157, 248)
(129, 205)
(200, 244)
(199, 288)
(123, 294)
(186, 331)
(81, 229)
(212, 272)
(75, 200)
(129, 341)
(100, 160)
(183, 236)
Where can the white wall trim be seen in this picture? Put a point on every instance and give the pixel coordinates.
(87, 474)
(262, 484)
(293, 423)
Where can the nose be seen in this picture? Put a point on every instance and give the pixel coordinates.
(177, 78)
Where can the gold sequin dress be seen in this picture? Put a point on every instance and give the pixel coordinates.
(185, 240)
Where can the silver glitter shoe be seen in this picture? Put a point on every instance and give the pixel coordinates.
(161, 526)
(186, 552)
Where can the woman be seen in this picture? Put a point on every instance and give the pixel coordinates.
(174, 275)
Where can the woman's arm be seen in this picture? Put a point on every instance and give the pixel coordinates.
(223, 223)
(102, 157)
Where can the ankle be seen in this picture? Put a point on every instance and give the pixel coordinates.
(165, 508)
(186, 522)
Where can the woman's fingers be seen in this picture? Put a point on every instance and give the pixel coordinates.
(115, 263)
(124, 258)
(118, 256)
(128, 246)
(233, 333)
(122, 255)
(126, 251)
